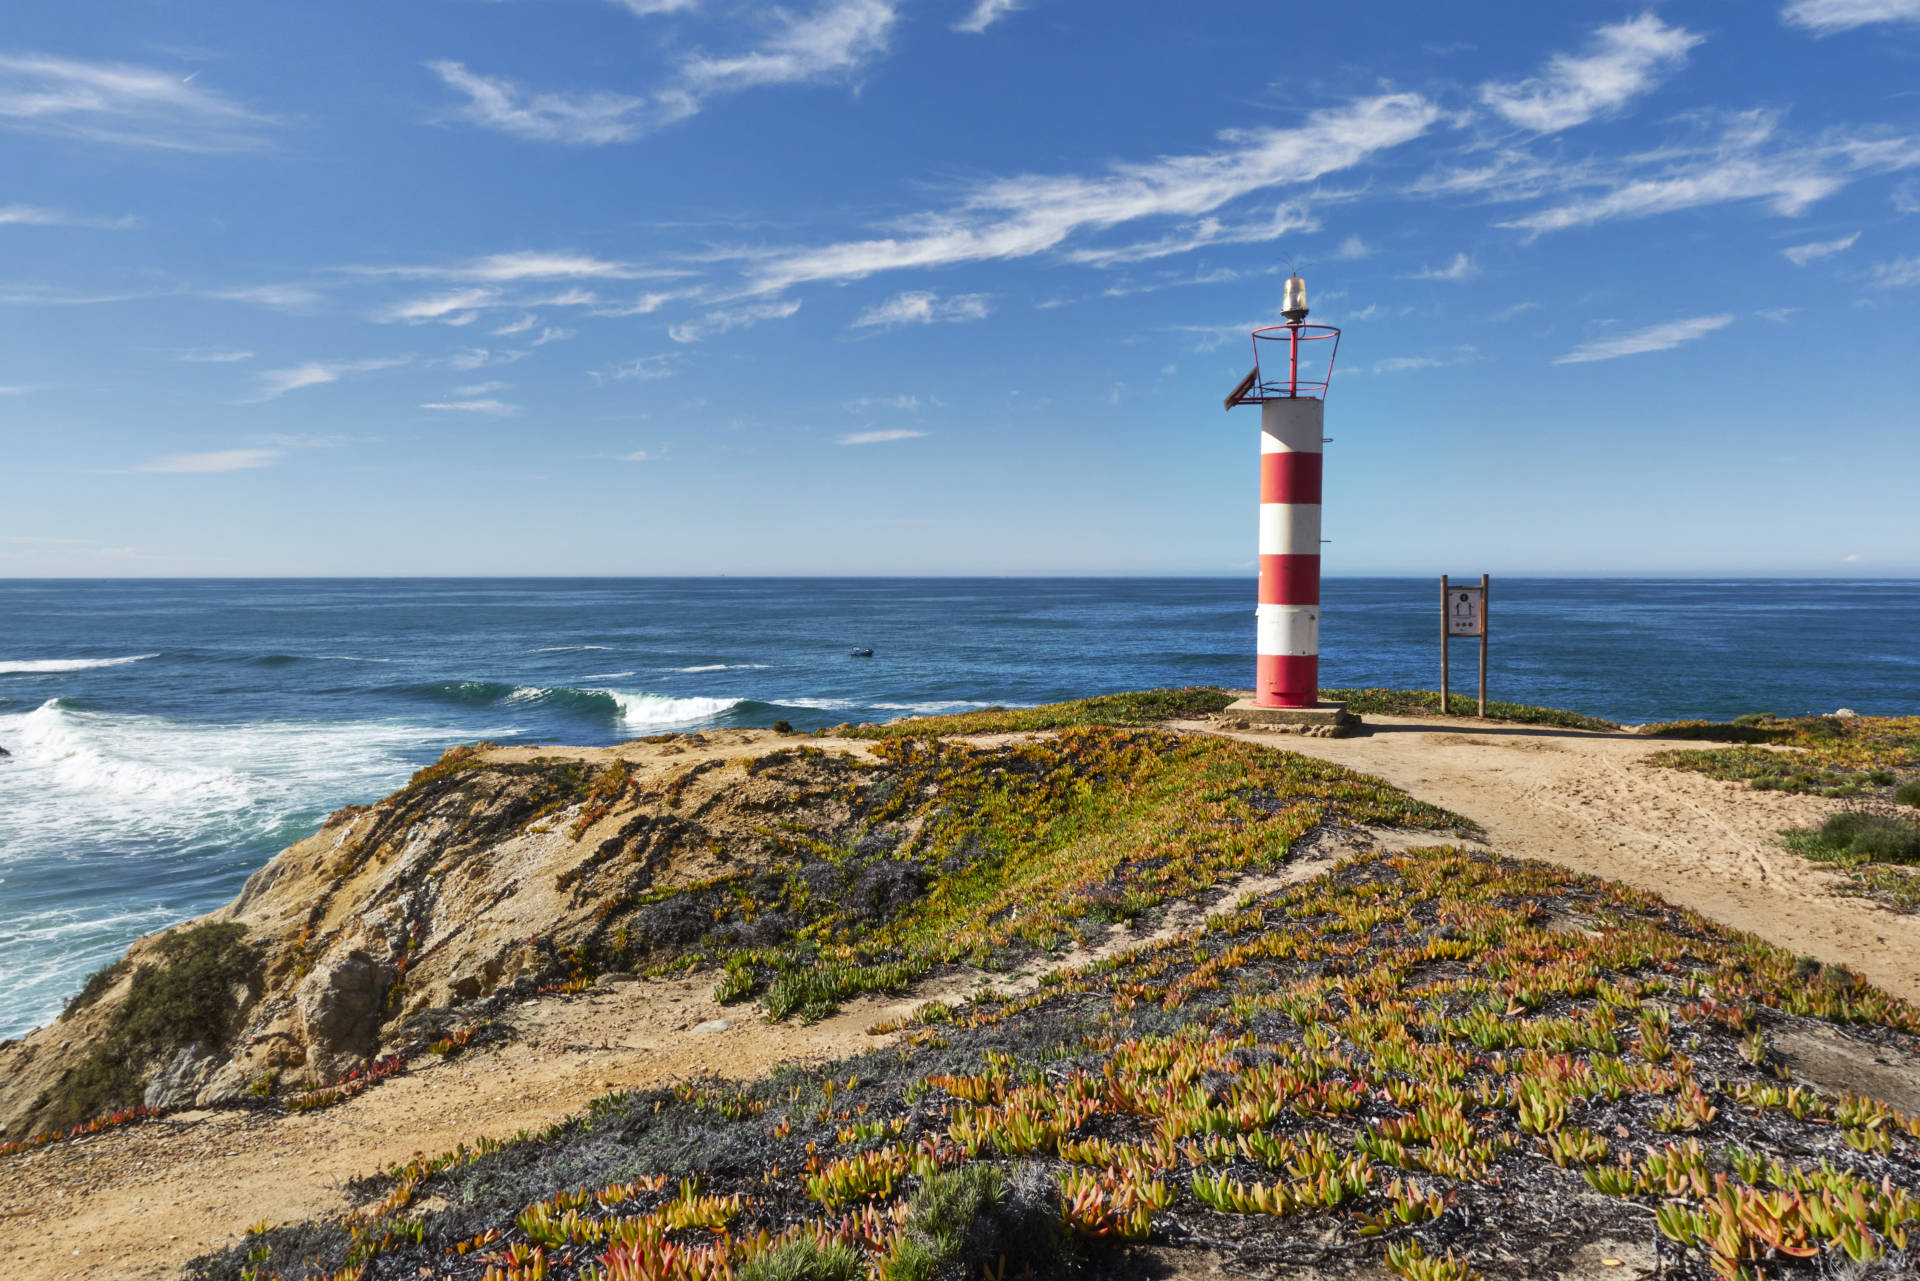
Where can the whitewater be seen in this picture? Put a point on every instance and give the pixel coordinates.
(164, 739)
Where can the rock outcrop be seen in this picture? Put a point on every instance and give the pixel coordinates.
(493, 871)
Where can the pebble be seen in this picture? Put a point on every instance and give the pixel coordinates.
(715, 1025)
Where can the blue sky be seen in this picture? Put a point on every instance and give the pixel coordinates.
(956, 286)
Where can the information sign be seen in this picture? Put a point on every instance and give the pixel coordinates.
(1463, 611)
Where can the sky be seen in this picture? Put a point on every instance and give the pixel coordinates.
(953, 286)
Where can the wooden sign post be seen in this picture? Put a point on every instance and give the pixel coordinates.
(1463, 612)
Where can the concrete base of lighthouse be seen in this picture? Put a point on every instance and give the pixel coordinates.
(1320, 720)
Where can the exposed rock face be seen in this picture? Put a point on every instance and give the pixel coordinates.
(493, 868)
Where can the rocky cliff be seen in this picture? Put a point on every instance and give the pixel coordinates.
(495, 870)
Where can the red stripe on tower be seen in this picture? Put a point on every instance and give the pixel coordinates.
(1290, 477)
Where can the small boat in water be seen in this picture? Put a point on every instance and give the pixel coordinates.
(862, 653)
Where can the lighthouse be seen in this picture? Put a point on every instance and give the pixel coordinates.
(1292, 371)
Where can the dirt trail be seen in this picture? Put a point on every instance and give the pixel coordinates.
(1590, 802)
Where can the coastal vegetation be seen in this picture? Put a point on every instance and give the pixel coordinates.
(1878, 853)
(1443, 1062)
(982, 855)
(184, 1001)
(1426, 702)
(1833, 756)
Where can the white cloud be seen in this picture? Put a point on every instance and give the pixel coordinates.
(641, 456)
(651, 8)
(719, 322)
(1899, 272)
(291, 296)
(1824, 17)
(468, 358)
(879, 437)
(1353, 247)
(18, 390)
(835, 41)
(552, 333)
(480, 389)
(642, 369)
(1518, 309)
(903, 403)
(496, 408)
(1623, 61)
(1906, 197)
(456, 308)
(839, 38)
(38, 216)
(1746, 162)
(1401, 364)
(1461, 268)
(278, 382)
(215, 461)
(921, 308)
(577, 119)
(215, 356)
(985, 13)
(1801, 255)
(524, 265)
(1288, 216)
(1778, 315)
(1653, 338)
(1019, 217)
(519, 326)
(121, 103)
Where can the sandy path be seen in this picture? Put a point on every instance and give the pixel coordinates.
(1590, 802)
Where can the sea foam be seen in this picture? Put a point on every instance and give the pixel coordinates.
(24, 666)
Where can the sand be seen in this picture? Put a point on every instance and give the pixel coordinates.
(141, 1201)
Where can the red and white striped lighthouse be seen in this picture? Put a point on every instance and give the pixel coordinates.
(1293, 367)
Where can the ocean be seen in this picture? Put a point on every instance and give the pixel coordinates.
(167, 737)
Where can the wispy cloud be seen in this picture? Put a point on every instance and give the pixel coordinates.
(1801, 255)
(642, 456)
(653, 8)
(1824, 17)
(120, 103)
(1653, 338)
(879, 437)
(519, 326)
(553, 333)
(922, 308)
(904, 403)
(577, 119)
(1401, 364)
(641, 369)
(38, 216)
(495, 408)
(1461, 268)
(1622, 62)
(715, 323)
(278, 382)
(215, 356)
(213, 461)
(1897, 273)
(456, 308)
(1748, 161)
(520, 266)
(985, 13)
(1352, 247)
(480, 389)
(286, 296)
(18, 389)
(832, 43)
(1019, 217)
(1517, 309)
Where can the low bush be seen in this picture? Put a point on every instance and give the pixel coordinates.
(1908, 793)
(1872, 838)
(1421, 702)
(188, 998)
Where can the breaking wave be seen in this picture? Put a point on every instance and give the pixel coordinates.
(22, 666)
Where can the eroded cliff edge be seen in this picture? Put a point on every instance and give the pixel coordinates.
(495, 870)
